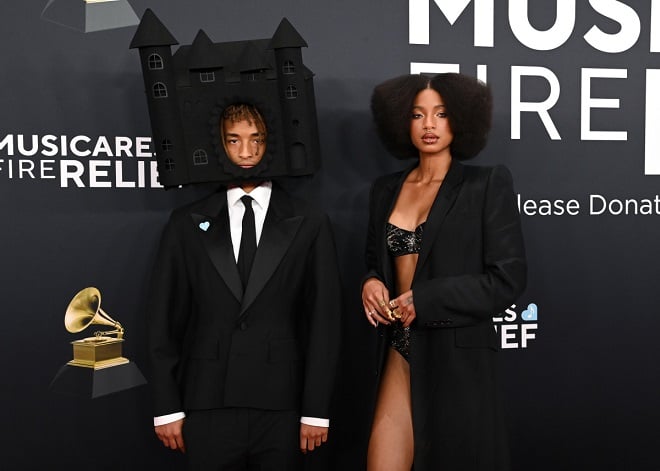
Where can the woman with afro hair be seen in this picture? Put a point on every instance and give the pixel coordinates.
(445, 254)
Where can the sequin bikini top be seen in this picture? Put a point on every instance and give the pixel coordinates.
(403, 242)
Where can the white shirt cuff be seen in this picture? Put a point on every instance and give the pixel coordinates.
(315, 421)
(168, 419)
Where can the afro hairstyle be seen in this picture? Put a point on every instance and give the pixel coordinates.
(468, 102)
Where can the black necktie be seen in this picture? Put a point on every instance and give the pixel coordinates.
(248, 241)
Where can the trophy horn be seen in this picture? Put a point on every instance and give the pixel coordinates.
(85, 310)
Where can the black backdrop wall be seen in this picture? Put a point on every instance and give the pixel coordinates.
(577, 120)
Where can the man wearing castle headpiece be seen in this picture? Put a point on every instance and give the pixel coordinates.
(245, 293)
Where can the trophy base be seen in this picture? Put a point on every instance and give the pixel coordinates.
(93, 382)
(99, 365)
(90, 15)
(97, 353)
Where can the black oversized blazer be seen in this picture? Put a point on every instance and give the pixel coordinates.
(471, 266)
(273, 347)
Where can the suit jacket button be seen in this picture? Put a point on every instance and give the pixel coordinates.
(243, 326)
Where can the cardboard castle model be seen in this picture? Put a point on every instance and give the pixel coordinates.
(188, 90)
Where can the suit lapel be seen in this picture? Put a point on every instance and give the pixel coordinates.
(280, 227)
(441, 205)
(212, 223)
(387, 202)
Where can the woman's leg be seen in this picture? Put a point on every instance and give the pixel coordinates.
(391, 441)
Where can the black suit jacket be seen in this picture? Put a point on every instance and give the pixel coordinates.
(471, 266)
(274, 346)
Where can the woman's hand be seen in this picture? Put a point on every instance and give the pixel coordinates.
(403, 308)
(375, 299)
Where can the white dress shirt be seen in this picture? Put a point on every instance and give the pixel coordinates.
(236, 208)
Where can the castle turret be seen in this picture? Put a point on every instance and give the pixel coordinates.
(202, 55)
(154, 42)
(296, 97)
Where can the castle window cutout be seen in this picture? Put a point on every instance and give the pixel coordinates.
(200, 157)
(169, 164)
(166, 145)
(155, 62)
(288, 68)
(160, 90)
(291, 92)
(206, 77)
(253, 76)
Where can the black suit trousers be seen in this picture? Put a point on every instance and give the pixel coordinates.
(242, 439)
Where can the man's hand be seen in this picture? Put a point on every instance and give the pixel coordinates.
(312, 437)
(171, 435)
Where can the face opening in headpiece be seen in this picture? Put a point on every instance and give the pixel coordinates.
(244, 138)
(243, 132)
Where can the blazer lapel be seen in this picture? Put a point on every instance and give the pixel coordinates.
(441, 205)
(212, 222)
(280, 227)
(393, 188)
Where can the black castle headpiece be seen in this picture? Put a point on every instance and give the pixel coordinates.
(188, 91)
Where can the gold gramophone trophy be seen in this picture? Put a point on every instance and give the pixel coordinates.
(101, 350)
(98, 367)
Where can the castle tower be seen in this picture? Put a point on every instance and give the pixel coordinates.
(154, 42)
(296, 98)
(204, 80)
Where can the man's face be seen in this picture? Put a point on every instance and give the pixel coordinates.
(244, 143)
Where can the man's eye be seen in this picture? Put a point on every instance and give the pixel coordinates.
(442, 114)
(416, 116)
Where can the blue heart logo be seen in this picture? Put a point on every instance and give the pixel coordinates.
(204, 225)
(531, 313)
